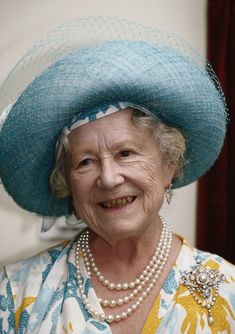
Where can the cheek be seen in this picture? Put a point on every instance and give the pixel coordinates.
(80, 190)
(149, 173)
(151, 181)
(84, 194)
(82, 208)
(80, 183)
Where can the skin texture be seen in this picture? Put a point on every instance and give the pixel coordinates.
(110, 159)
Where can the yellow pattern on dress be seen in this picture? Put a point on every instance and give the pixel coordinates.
(71, 327)
(197, 314)
(68, 330)
(26, 302)
(212, 264)
(153, 321)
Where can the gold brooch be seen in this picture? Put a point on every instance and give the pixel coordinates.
(203, 284)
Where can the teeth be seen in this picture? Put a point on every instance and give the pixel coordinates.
(129, 199)
(119, 203)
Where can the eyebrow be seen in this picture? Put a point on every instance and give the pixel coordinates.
(113, 147)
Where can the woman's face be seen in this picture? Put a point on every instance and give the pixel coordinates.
(117, 176)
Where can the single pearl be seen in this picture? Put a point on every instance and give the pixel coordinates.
(105, 302)
(110, 318)
(131, 296)
(112, 303)
(120, 301)
(125, 286)
(117, 317)
(210, 319)
(134, 307)
(126, 300)
(141, 277)
(132, 285)
(124, 315)
(135, 292)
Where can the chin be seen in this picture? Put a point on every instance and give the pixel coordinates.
(123, 230)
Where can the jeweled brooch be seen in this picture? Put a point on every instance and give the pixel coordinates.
(203, 284)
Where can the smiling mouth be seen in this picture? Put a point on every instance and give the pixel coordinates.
(118, 203)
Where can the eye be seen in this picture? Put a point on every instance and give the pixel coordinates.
(125, 153)
(85, 163)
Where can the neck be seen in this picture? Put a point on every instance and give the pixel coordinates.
(124, 253)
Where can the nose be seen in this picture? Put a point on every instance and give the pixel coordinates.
(110, 174)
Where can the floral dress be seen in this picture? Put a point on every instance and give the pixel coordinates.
(40, 295)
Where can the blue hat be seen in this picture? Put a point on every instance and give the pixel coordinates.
(173, 85)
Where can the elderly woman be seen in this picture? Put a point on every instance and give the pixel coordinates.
(128, 119)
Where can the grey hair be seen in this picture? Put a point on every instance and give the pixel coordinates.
(58, 180)
(171, 142)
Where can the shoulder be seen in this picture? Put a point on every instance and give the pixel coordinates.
(217, 265)
(25, 277)
(216, 262)
(190, 255)
(37, 265)
(206, 290)
(22, 282)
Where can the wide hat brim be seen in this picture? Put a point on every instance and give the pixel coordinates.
(174, 88)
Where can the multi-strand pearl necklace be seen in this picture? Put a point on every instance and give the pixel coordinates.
(140, 287)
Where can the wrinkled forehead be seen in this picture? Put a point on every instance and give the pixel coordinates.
(108, 136)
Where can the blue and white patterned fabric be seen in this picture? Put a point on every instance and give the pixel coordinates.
(102, 110)
(40, 296)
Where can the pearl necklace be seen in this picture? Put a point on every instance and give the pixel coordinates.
(144, 282)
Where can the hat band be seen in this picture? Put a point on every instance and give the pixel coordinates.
(102, 110)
